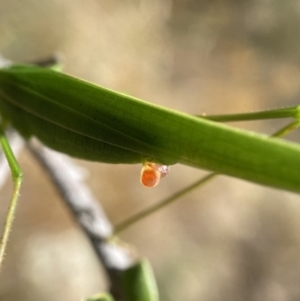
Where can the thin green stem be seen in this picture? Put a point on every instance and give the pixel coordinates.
(124, 225)
(17, 177)
(292, 112)
(287, 129)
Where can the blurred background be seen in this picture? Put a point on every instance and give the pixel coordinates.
(229, 240)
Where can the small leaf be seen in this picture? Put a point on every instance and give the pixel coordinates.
(139, 283)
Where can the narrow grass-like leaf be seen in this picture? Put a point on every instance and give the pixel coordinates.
(93, 123)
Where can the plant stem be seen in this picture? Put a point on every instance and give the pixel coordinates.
(127, 223)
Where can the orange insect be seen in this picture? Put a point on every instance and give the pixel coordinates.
(152, 173)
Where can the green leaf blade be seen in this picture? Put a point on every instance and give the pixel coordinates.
(122, 129)
(138, 282)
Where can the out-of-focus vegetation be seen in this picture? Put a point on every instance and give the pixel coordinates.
(228, 241)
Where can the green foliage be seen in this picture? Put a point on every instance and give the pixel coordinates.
(94, 123)
(138, 283)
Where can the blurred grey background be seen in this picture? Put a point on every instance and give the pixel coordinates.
(229, 240)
